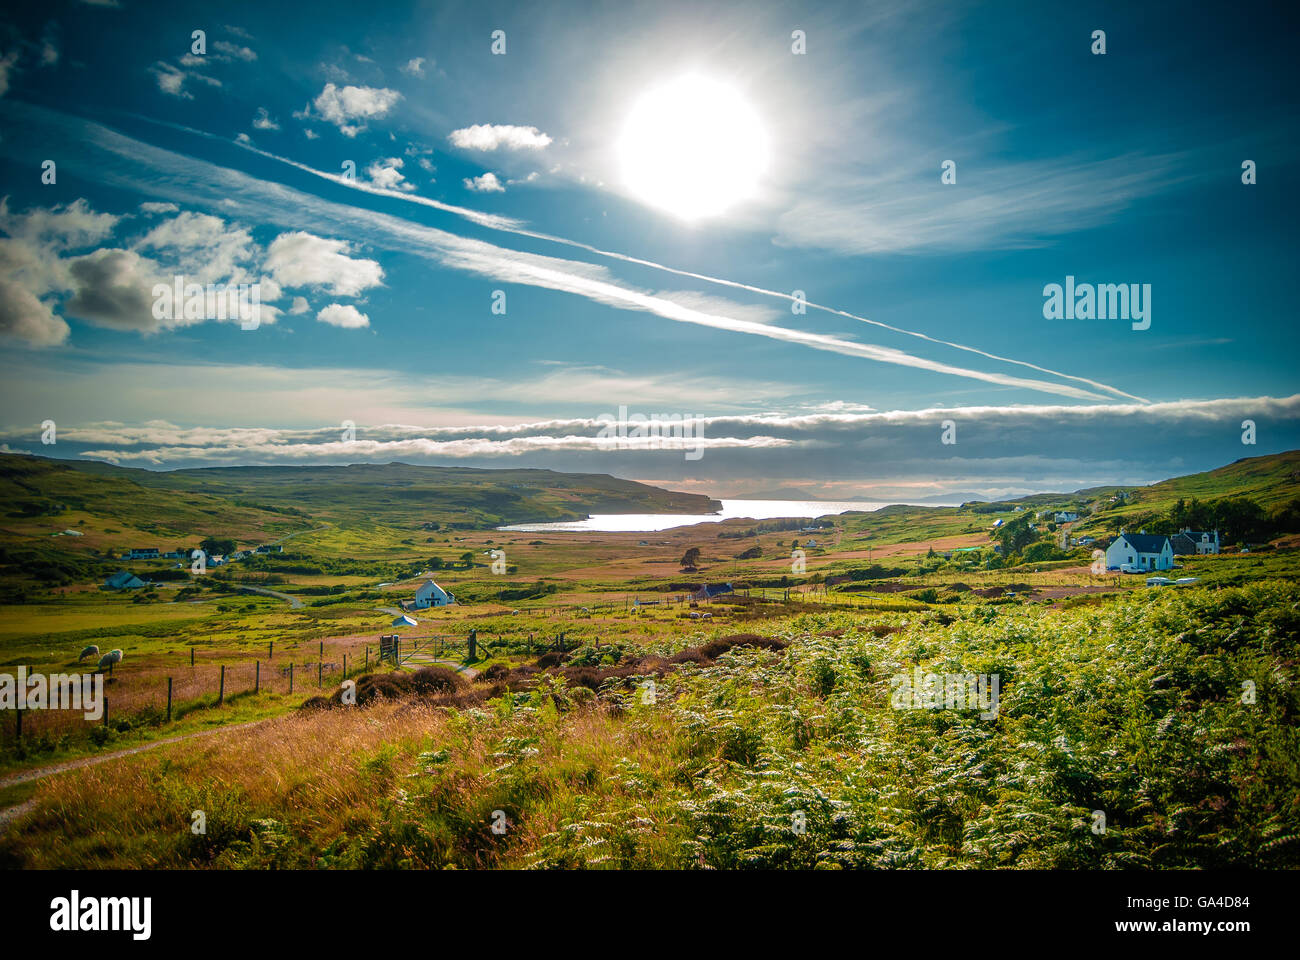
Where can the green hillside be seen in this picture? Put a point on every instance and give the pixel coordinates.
(404, 494)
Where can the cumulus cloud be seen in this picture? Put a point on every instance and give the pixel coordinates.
(349, 107)
(113, 286)
(414, 67)
(490, 136)
(23, 317)
(299, 306)
(487, 183)
(33, 268)
(220, 251)
(387, 174)
(263, 120)
(301, 259)
(343, 315)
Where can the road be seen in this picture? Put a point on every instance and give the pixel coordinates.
(294, 602)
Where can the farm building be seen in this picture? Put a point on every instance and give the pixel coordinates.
(432, 595)
(142, 553)
(123, 580)
(1066, 517)
(1189, 542)
(1140, 551)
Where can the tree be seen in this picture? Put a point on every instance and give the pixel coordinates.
(217, 546)
(1015, 535)
(691, 558)
(467, 558)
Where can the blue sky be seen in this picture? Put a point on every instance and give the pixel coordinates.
(1117, 168)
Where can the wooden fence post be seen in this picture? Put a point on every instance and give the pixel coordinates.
(270, 649)
(169, 699)
(257, 676)
(291, 676)
(191, 656)
(18, 735)
(322, 651)
(320, 673)
(367, 656)
(221, 691)
(345, 667)
(105, 710)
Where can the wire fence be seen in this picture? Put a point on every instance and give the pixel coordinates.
(157, 695)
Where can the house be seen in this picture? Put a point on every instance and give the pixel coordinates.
(1189, 542)
(270, 548)
(123, 580)
(711, 590)
(1064, 517)
(142, 553)
(237, 555)
(1133, 552)
(216, 560)
(431, 595)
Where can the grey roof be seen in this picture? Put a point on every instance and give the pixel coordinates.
(1146, 542)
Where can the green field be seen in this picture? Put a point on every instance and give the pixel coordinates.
(1117, 697)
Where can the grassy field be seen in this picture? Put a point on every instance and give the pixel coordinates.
(1116, 698)
(784, 757)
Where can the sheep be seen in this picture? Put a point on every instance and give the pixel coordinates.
(110, 658)
(90, 651)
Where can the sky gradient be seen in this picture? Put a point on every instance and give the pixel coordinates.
(478, 172)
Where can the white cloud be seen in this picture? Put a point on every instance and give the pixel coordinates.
(221, 253)
(487, 136)
(342, 106)
(152, 208)
(234, 50)
(387, 174)
(414, 67)
(487, 183)
(299, 306)
(171, 80)
(263, 120)
(302, 259)
(24, 317)
(343, 315)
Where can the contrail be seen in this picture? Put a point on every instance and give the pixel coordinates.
(510, 225)
(501, 263)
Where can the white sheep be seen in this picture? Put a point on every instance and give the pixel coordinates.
(90, 651)
(110, 658)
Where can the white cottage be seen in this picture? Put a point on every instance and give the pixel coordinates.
(432, 595)
(1140, 551)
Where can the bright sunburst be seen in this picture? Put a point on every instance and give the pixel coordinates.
(693, 147)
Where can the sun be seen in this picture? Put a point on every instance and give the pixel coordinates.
(693, 147)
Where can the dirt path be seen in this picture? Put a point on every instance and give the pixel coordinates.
(294, 602)
(40, 773)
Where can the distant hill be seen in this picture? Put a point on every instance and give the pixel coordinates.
(394, 493)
